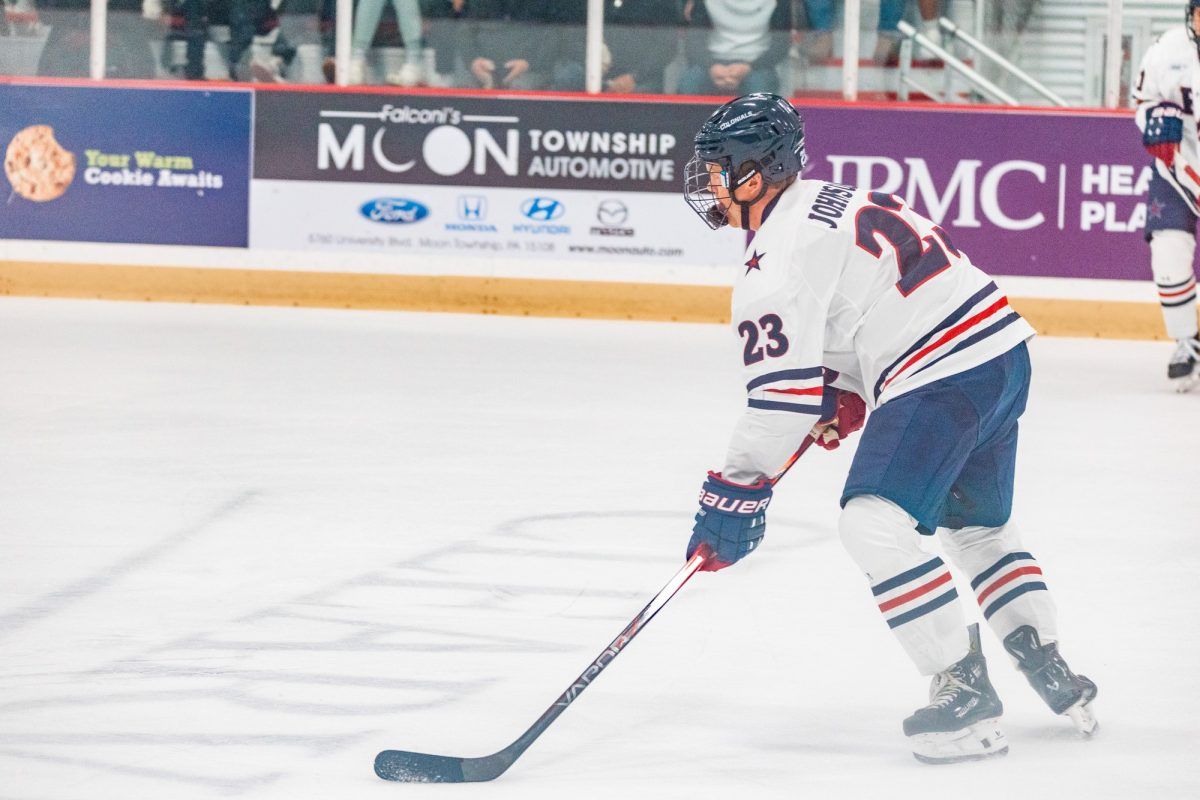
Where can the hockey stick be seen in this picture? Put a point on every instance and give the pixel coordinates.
(409, 767)
(402, 765)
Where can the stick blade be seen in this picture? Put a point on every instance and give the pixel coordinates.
(406, 767)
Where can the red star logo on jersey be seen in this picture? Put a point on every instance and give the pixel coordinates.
(1156, 209)
(754, 261)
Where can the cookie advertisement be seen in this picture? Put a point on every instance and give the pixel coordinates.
(131, 166)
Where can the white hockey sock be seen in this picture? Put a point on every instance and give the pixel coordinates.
(912, 588)
(1006, 579)
(1171, 260)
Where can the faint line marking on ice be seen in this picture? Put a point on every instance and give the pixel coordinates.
(235, 785)
(315, 744)
(55, 601)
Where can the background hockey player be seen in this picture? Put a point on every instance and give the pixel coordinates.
(846, 295)
(1165, 116)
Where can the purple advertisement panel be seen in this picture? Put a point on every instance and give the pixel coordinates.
(142, 166)
(1023, 193)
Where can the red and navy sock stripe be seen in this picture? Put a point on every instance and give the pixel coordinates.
(1172, 295)
(915, 592)
(1014, 575)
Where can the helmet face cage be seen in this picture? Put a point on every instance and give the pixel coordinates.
(711, 194)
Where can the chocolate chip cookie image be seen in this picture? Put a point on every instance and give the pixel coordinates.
(37, 166)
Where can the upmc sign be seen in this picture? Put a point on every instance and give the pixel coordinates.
(1025, 193)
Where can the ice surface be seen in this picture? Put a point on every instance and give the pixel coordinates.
(242, 550)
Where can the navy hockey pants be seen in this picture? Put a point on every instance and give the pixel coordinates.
(946, 452)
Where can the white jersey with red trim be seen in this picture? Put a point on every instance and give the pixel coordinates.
(853, 288)
(1167, 75)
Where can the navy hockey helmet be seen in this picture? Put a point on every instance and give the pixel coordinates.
(757, 134)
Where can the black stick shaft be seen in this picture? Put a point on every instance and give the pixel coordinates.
(607, 656)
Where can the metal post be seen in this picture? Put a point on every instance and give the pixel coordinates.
(594, 68)
(850, 38)
(906, 59)
(99, 35)
(1113, 56)
(342, 41)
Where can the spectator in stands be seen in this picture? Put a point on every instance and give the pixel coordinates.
(67, 52)
(640, 38)
(366, 21)
(254, 22)
(257, 49)
(735, 46)
(505, 43)
(442, 34)
(438, 32)
(819, 43)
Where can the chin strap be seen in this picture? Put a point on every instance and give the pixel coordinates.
(745, 205)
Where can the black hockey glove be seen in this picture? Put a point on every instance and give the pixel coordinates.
(731, 522)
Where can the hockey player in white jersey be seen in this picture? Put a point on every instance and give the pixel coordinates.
(847, 294)
(1165, 116)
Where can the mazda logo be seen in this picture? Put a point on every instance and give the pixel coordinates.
(612, 212)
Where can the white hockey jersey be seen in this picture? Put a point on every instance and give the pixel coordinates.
(1167, 75)
(852, 288)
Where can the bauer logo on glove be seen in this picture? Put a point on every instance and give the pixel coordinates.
(732, 505)
(731, 521)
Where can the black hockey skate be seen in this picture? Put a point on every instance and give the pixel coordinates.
(1182, 368)
(1064, 691)
(962, 720)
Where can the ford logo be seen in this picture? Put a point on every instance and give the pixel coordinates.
(543, 209)
(394, 210)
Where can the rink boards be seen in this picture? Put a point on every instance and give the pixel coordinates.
(543, 205)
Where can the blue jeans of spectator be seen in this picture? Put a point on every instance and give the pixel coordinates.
(696, 80)
(408, 17)
(821, 13)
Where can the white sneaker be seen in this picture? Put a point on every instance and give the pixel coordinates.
(933, 31)
(411, 74)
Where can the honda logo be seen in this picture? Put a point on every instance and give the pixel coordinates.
(472, 208)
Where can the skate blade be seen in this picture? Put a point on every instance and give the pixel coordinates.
(1083, 718)
(1185, 385)
(982, 740)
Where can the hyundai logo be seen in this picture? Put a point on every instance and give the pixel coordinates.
(612, 212)
(543, 209)
(394, 210)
